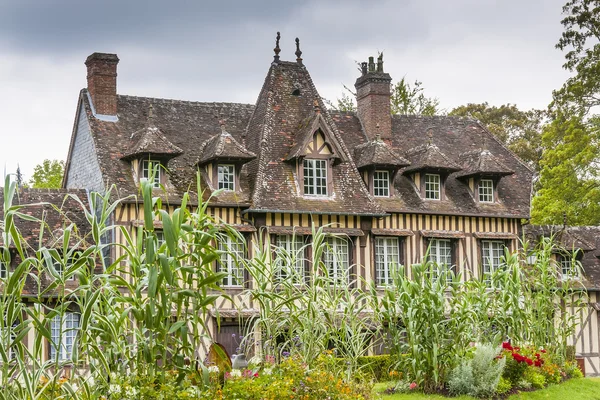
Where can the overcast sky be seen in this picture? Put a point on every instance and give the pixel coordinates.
(464, 51)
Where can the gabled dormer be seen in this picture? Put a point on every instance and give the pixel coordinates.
(314, 154)
(149, 153)
(378, 163)
(482, 173)
(221, 159)
(429, 170)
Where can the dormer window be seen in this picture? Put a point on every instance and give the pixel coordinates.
(432, 186)
(315, 177)
(149, 170)
(381, 183)
(226, 176)
(486, 190)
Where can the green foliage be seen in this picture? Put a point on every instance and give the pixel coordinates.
(478, 376)
(534, 377)
(572, 370)
(569, 181)
(520, 130)
(503, 387)
(376, 368)
(411, 100)
(47, 175)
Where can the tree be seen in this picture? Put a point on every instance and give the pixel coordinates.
(520, 130)
(569, 181)
(581, 41)
(48, 174)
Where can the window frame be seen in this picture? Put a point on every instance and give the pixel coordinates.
(385, 183)
(332, 263)
(451, 246)
(314, 185)
(66, 332)
(492, 194)
(3, 270)
(390, 242)
(486, 274)
(145, 171)
(427, 190)
(294, 245)
(570, 260)
(231, 187)
(228, 248)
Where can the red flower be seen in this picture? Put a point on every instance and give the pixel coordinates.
(542, 350)
(413, 386)
(256, 375)
(537, 355)
(507, 346)
(529, 361)
(537, 363)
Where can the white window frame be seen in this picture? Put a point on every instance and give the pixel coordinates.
(441, 253)
(336, 258)
(381, 183)
(232, 251)
(226, 177)
(63, 330)
(567, 268)
(160, 237)
(12, 335)
(485, 190)
(146, 171)
(293, 248)
(59, 269)
(492, 252)
(433, 187)
(387, 254)
(315, 177)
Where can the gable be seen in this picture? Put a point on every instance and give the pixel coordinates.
(318, 146)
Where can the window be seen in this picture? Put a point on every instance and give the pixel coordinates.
(381, 184)
(232, 252)
(149, 167)
(226, 176)
(492, 252)
(432, 186)
(160, 237)
(315, 177)
(3, 270)
(336, 258)
(568, 267)
(291, 257)
(61, 269)
(440, 253)
(486, 191)
(387, 256)
(9, 335)
(63, 331)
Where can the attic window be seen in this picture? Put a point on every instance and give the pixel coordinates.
(486, 191)
(315, 177)
(381, 184)
(432, 186)
(150, 171)
(226, 176)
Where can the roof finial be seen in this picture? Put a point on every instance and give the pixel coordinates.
(380, 63)
(298, 52)
(277, 49)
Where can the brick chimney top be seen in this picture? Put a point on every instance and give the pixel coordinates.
(102, 82)
(373, 99)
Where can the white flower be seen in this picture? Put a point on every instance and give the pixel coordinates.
(213, 369)
(131, 393)
(256, 360)
(114, 389)
(268, 371)
(236, 373)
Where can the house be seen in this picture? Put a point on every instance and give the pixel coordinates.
(393, 185)
(578, 243)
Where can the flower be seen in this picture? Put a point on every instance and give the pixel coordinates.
(213, 369)
(413, 386)
(285, 354)
(507, 346)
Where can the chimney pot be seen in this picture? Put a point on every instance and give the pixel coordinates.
(373, 94)
(371, 64)
(102, 82)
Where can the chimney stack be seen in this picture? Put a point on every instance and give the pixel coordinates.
(373, 99)
(102, 82)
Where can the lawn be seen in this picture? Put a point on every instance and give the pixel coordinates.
(580, 389)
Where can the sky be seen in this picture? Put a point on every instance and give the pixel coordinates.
(463, 51)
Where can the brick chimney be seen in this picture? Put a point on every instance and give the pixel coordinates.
(102, 82)
(373, 99)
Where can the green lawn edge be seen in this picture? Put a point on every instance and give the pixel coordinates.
(580, 389)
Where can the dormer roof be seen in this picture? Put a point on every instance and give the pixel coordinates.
(428, 157)
(150, 141)
(305, 133)
(224, 147)
(377, 153)
(482, 163)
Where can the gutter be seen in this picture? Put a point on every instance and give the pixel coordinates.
(250, 210)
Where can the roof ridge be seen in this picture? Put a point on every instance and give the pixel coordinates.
(191, 102)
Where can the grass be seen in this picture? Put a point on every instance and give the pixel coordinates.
(581, 389)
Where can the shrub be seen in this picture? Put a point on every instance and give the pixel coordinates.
(376, 368)
(535, 378)
(503, 387)
(479, 376)
(572, 370)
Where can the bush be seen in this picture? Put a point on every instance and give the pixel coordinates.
(504, 386)
(572, 370)
(535, 378)
(479, 376)
(375, 367)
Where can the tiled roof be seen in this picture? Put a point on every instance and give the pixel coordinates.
(584, 238)
(377, 153)
(482, 163)
(429, 158)
(224, 147)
